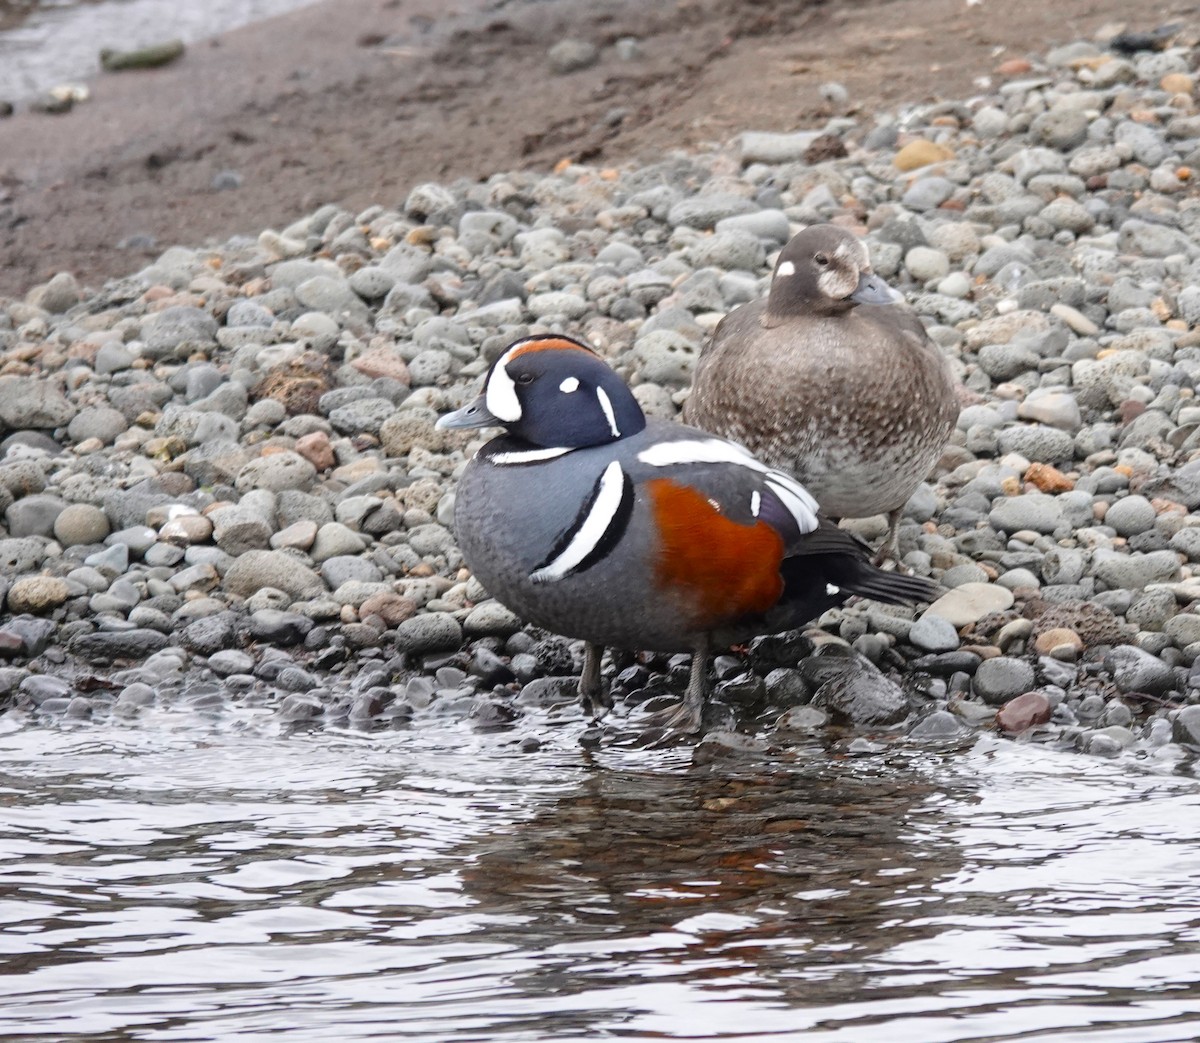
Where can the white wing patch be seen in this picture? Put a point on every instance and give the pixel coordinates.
(794, 496)
(591, 532)
(527, 456)
(607, 409)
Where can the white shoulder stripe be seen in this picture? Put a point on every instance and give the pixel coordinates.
(699, 451)
(588, 536)
(795, 497)
(527, 456)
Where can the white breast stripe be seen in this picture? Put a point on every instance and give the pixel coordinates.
(591, 532)
(606, 406)
(527, 456)
(755, 502)
(795, 497)
(501, 396)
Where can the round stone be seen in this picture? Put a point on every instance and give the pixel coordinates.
(81, 524)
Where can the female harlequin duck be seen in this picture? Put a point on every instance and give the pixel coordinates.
(588, 520)
(831, 382)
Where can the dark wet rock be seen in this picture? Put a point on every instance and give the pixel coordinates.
(549, 691)
(746, 691)
(860, 694)
(939, 726)
(37, 688)
(803, 720)
(1186, 726)
(722, 745)
(295, 679)
(279, 627)
(105, 646)
(488, 714)
(301, 707)
(1023, 712)
(945, 664)
(786, 687)
(1135, 670)
(210, 634)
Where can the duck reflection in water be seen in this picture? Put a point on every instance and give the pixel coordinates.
(779, 877)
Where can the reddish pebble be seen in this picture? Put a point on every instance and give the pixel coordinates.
(1023, 712)
(315, 448)
(1013, 67)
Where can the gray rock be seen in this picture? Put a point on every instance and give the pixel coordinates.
(257, 569)
(81, 523)
(1131, 515)
(1134, 571)
(1000, 679)
(570, 55)
(429, 632)
(1035, 511)
(29, 403)
(178, 331)
(934, 633)
(1134, 670)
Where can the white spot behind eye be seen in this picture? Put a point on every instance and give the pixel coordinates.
(607, 409)
(830, 589)
(786, 268)
(569, 385)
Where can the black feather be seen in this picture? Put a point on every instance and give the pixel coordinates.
(829, 566)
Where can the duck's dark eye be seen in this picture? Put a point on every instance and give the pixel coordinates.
(822, 260)
(524, 378)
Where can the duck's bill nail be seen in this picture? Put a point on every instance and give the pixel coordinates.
(872, 290)
(474, 415)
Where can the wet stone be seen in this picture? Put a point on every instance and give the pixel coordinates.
(862, 695)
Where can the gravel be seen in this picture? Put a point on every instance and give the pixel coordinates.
(220, 479)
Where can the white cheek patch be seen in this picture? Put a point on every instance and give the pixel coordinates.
(607, 409)
(791, 493)
(785, 268)
(569, 385)
(501, 396)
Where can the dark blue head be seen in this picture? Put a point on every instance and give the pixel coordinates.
(550, 390)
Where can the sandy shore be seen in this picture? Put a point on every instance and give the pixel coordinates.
(353, 102)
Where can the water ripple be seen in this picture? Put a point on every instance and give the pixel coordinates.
(440, 886)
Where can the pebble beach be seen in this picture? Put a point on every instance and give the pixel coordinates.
(222, 487)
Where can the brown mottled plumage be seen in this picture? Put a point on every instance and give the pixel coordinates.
(826, 381)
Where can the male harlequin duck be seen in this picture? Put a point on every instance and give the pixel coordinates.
(588, 520)
(829, 380)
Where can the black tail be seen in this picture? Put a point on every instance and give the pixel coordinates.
(828, 566)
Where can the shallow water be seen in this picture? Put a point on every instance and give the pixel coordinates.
(164, 883)
(60, 40)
